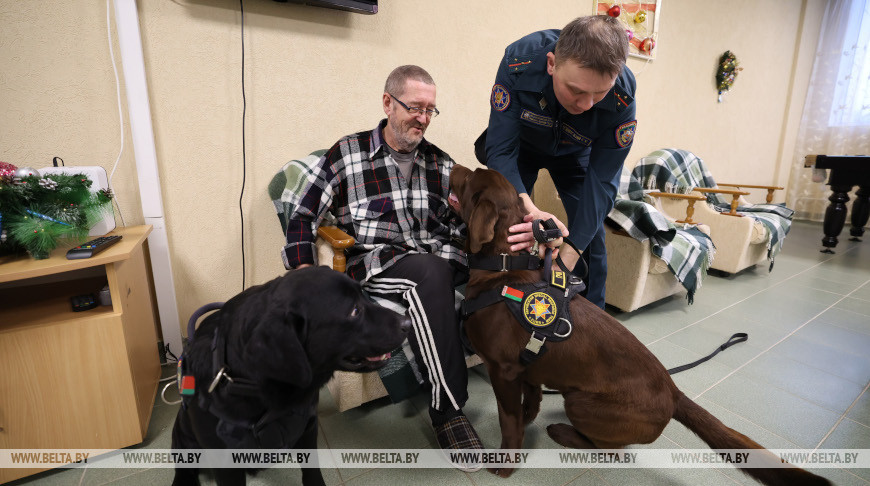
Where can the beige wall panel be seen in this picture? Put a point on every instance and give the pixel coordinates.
(313, 75)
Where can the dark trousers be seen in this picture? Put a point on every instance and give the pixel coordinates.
(426, 285)
(568, 176)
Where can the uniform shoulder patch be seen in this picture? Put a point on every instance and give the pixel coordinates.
(518, 64)
(625, 133)
(500, 98)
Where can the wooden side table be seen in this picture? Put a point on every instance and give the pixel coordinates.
(77, 379)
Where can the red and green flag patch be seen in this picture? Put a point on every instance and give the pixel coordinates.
(512, 293)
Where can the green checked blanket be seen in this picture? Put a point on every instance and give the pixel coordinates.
(686, 250)
(400, 376)
(680, 171)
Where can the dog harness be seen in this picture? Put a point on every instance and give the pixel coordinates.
(274, 429)
(542, 308)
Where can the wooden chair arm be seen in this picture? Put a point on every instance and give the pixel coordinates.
(770, 189)
(735, 195)
(339, 241)
(721, 191)
(690, 199)
(678, 196)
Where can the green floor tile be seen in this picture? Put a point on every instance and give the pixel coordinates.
(832, 335)
(778, 411)
(838, 362)
(861, 410)
(850, 435)
(814, 385)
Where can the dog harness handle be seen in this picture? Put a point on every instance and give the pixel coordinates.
(549, 232)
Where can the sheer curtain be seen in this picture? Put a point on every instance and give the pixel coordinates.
(836, 116)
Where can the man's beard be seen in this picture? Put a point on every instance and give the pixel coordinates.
(404, 139)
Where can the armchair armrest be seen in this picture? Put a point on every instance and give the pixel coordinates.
(735, 195)
(770, 189)
(339, 241)
(690, 208)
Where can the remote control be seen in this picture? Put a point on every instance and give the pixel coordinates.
(83, 302)
(91, 248)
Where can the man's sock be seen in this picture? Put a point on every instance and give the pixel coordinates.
(440, 417)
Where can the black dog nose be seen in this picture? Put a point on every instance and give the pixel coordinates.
(405, 324)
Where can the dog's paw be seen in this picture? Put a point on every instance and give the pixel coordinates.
(529, 416)
(567, 436)
(502, 472)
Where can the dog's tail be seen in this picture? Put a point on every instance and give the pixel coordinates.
(718, 436)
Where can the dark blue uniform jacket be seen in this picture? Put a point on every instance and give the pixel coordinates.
(524, 112)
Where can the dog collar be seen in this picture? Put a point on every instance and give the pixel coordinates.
(504, 262)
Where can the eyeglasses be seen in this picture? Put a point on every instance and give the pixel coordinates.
(432, 113)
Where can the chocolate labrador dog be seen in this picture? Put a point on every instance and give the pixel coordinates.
(616, 392)
(259, 362)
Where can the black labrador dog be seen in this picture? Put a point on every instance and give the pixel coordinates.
(258, 364)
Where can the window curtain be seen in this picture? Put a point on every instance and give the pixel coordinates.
(836, 115)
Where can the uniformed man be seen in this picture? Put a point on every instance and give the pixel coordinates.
(564, 101)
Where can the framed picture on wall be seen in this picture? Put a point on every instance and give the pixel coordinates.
(641, 21)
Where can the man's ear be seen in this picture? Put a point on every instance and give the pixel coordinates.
(481, 225)
(387, 101)
(275, 352)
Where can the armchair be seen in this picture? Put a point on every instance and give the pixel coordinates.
(745, 234)
(348, 389)
(648, 257)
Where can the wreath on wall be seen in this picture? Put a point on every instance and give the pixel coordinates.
(727, 72)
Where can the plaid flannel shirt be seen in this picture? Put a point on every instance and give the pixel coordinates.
(358, 182)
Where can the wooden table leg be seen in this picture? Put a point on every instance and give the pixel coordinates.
(860, 212)
(835, 217)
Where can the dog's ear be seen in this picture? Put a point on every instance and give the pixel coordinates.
(458, 176)
(481, 224)
(275, 352)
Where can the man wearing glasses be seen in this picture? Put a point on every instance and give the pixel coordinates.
(564, 101)
(388, 188)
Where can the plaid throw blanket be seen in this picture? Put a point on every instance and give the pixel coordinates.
(686, 250)
(680, 171)
(400, 376)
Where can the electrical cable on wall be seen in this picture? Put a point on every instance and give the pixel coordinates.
(120, 115)
(244, 169)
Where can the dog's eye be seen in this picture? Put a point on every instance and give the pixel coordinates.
(355, 311)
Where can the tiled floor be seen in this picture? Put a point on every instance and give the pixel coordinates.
(800, 382)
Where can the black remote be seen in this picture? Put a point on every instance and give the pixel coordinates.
(91, 248)
(83, 302)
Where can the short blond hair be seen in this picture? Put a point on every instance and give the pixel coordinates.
(598, 42)
(395, 84)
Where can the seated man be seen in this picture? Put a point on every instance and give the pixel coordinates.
(388, 188)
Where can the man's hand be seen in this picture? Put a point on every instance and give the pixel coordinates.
(522, 237)
(303, 265)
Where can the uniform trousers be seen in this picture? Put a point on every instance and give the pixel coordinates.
(568, 177)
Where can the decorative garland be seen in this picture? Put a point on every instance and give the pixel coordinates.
(634, 15)
(728, 68)
(37, 212)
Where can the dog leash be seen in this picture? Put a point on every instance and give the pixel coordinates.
(551, 232)
(736, 338)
